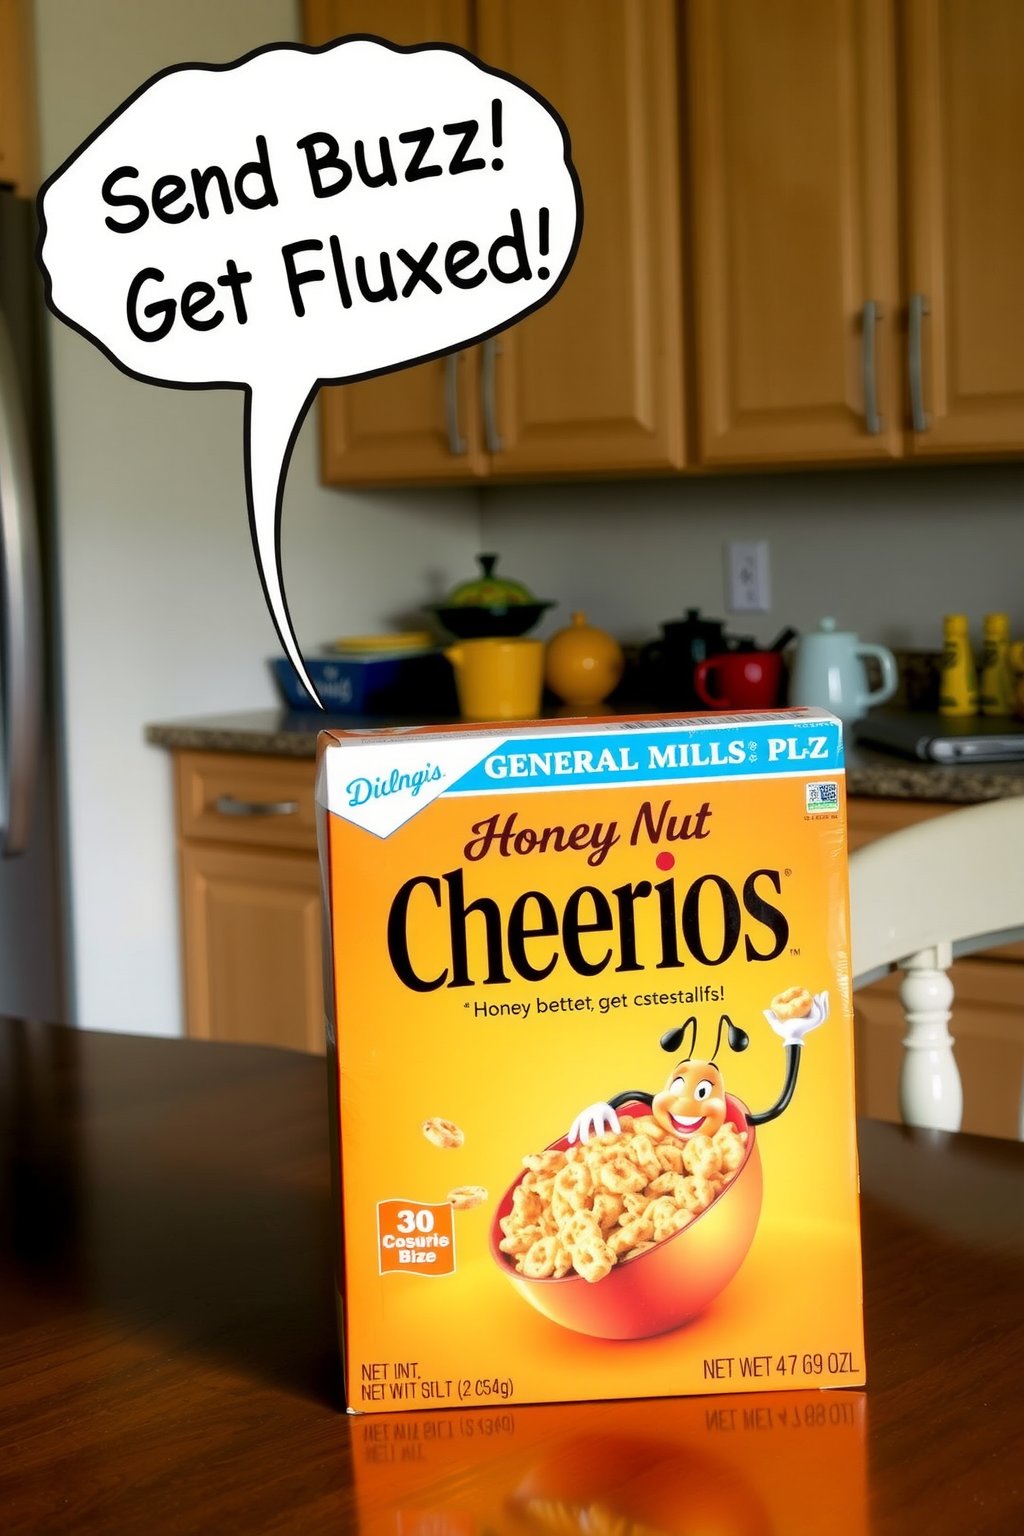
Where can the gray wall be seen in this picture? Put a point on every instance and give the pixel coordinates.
(886, 552)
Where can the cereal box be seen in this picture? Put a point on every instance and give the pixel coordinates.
(590, 1035)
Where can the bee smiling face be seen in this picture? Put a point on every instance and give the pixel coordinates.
(692, 1102)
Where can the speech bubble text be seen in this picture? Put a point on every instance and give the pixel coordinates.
(308, 216)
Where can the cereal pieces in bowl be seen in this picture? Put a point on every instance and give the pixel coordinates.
(634, 1232)
(597, 1205)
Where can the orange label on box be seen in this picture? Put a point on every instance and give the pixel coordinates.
(591, 1025)
(415, 1239)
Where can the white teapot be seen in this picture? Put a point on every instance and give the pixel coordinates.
(829, 672)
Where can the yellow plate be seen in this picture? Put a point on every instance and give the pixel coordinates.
(408, 640)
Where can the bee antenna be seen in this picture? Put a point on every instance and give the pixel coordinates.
(672, 1039)
(738, 1038)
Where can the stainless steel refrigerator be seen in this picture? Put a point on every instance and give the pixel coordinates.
(33, 961)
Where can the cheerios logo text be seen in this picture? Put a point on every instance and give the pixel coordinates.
(701, 916)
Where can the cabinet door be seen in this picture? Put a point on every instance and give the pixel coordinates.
(414, 427)
(794, 211)
(421, 424)
(251, 930)
(594, 380)
(964, 64)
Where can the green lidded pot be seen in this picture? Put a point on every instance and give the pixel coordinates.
(489, 605)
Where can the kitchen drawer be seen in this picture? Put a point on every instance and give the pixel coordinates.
(264, 802)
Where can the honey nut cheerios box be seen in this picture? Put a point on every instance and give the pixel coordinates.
(590, 1050)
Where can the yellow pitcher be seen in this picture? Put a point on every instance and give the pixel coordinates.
(498, 679)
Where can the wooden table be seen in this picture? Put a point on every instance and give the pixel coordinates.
(168, 1359)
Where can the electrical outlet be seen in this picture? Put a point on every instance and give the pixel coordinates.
(748, 576)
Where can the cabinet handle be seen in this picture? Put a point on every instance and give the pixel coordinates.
(919, 417)
(872, 420)
(456, 441)
(491, 434)
(227, 805)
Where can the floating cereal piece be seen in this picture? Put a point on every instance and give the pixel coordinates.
(466, 1196)
(793, 1003)
(443, 1133)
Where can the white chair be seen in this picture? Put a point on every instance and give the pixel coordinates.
(920, 898)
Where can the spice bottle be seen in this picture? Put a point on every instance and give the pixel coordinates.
(958, 684)
(997, 682)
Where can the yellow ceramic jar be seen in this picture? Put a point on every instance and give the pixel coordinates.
(583, 664)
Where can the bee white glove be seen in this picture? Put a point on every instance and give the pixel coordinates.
(593, 1121)
(793, 1031)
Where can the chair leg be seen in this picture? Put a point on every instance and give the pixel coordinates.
(930, 1090)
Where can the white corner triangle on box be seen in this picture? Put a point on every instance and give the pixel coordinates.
(381, 782)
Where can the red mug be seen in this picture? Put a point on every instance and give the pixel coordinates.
(741, 680)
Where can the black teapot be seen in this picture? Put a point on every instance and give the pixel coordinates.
(667, 664)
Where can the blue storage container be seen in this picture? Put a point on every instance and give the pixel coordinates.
(418, 684)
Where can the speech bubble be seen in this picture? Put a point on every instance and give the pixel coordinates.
(306, 216)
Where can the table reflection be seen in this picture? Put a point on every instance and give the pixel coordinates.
(779, 1464)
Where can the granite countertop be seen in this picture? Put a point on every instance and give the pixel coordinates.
(280, 733)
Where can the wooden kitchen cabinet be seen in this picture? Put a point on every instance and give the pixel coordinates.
(250, 899)
(964, 83)
(988, 1003)
(800, 184)
(847, 173)
(793, 153)
(17, 97)
(592, 382)
(419, 425)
